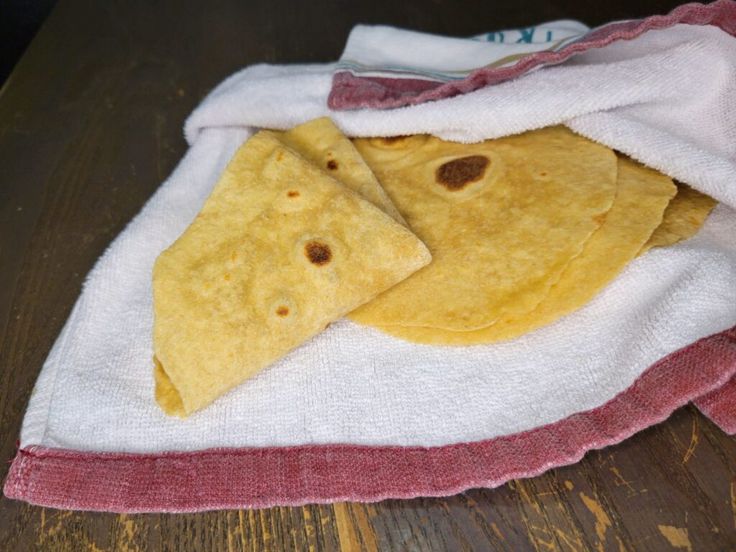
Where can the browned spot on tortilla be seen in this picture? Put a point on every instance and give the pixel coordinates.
(282, 310)
(542, 173)
(600, 218)
(293, 193)
(455, 174)
(227, 276)
(280, 156)
(332, 165)
(318, 253)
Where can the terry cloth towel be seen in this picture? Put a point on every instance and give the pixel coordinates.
(357, 415)
(384, 67)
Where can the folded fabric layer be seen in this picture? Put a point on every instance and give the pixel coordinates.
(263, 477)
(384, 67)
(720, 406)
(353, 398)
(644, 97)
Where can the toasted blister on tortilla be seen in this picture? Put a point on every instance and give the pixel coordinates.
(641, 199)
(502, 218)
(683, 217)
(278, 251)
(322, 143)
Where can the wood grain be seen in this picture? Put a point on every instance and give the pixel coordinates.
(90, 124)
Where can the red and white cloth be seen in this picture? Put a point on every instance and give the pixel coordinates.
(355, 414)
(385, 67)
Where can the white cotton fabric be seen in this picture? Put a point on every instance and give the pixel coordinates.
(382, 51)
(667, 98)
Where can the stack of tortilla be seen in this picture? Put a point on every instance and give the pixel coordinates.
(305, 227)
(523, 230)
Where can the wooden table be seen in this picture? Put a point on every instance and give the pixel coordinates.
(90, 124)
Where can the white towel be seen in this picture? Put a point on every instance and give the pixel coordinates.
(666, 98)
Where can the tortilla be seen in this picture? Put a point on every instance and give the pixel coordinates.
(642, 197)
(278, 252)
(683, 217)
(322, 143)
(502, 219)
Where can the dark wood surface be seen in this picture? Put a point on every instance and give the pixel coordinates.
(90, 124)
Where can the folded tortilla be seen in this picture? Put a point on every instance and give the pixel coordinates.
(278, 252)
(683, 217)
(322, 143)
